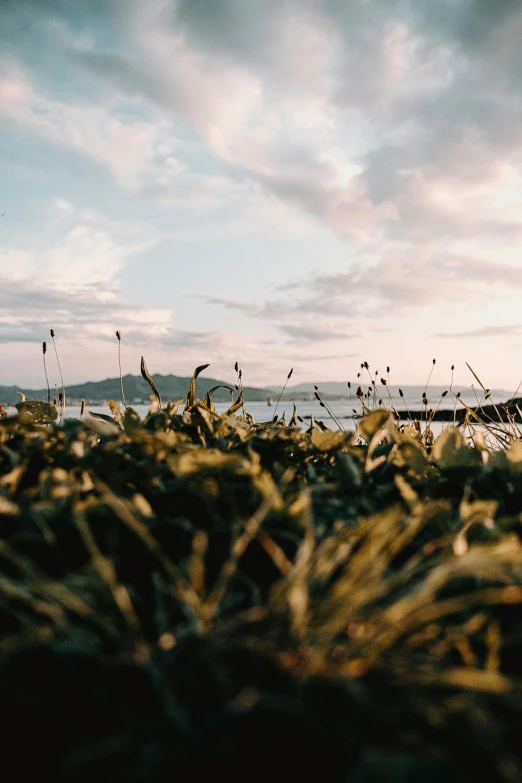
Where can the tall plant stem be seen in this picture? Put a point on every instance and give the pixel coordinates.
(61, 375)
(118, 335)
(44, 351)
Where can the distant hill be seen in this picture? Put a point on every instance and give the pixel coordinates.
(413, 392)
(171, 387)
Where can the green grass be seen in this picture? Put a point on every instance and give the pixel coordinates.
(198, 593)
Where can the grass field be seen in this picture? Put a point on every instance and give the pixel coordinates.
(200, 594)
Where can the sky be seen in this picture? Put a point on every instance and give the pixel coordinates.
(283, 183)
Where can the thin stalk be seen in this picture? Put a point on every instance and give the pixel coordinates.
(61, 375)
(118, 335)
(283, 389)
(44, 351)
(401, 395)
(386, 383)
(429, 377)
(454, 399)
(330, 412)
(239, 385)
(515, 394)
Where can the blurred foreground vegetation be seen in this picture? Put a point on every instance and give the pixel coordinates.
(201, 594)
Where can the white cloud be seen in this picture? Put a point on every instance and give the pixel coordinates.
(392, 125)
(69, 279)
(125, 145)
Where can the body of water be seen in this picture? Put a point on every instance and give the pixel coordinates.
(261, 412)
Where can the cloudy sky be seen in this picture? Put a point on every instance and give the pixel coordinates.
(306, 183)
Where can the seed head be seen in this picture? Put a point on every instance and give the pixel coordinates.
(289, 374)
(387, 369)
(401, 392)
(52, 332)
(118, 334)
(44, 347)
(383, 381)
(434, 361)
(236, 366)
(452, 367)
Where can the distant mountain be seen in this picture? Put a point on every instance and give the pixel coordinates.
(170, 387)
(337, 388)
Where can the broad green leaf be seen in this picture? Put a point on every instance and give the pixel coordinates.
(116, 411)
(372, 423)
(207, 401)
(411, 456)
(101, 424)
(147, 376)
(173, 407)
(450, 450)
(236, 405)
(102, 417)
(191, 396)
(130, 418)
(40, 412)
(327, 440)
(514, 454)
